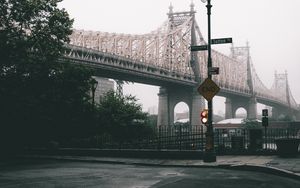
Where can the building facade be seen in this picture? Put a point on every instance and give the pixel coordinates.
(104, 85)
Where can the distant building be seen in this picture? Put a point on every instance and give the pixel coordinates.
(104, 85)
(153, 110)
(221, 113)
(181, 116)
(182, 120)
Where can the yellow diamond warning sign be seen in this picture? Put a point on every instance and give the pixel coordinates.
(208, 89)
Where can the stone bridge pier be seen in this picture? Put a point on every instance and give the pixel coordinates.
(169, 97)
(232, 104)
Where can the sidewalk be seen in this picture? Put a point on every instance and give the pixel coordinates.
(289, 167)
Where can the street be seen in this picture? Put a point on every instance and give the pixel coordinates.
(51, 173)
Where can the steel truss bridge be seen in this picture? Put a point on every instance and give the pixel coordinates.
(163, 57)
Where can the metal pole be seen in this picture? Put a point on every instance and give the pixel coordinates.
(209, 155)
(266, 144)
(94, 86)
(93, 97)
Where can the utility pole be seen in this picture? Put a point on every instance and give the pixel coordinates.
(208, 89)
(210, 154)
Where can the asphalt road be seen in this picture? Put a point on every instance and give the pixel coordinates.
(84, 174)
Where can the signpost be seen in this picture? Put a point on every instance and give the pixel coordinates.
(208, 89)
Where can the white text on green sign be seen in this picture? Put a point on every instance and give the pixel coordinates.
(221, 41)
(199, 48)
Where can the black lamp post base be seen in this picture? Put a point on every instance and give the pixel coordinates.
(209, 157)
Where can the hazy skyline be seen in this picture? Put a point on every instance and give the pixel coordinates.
(271, 27)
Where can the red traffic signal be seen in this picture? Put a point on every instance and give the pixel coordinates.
(204, 116)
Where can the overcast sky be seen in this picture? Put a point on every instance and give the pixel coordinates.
(272, 28)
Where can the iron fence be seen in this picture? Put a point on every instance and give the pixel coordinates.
(184, 137)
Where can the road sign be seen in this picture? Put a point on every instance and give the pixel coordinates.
(221, 41)
(199, 48)
(213, 41)
(213, 70)
(265, 112)
(208, 89)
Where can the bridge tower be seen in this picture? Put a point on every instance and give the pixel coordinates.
(170, 95)
(288, 97)
(242, 54)
(281, 87)
(252, 107)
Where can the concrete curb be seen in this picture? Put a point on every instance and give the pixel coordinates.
(243, 167)
(267, 169)
(126, 153)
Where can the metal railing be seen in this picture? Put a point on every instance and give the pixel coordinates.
(182, 137)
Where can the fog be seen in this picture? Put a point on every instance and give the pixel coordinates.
(271, 27)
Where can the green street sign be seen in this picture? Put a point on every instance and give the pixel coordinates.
(221, 41)
(213, 41)
(199, 48)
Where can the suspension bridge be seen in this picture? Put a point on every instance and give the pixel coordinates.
(163, 58)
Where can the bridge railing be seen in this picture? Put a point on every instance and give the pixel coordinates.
(91, 56)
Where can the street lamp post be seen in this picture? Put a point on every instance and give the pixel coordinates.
(94, 84)
(209, 154)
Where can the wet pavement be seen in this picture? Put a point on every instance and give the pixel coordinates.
(66, 173)
(274, 163)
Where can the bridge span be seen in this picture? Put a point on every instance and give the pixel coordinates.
(163, 58)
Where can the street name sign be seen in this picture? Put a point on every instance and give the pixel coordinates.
(213, 70)
(199, 48)
(221, 41)
(208, 89)
(213, 41)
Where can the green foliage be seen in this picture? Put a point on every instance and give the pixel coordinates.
(252, 124)
(287, 118)
(122, 118)
(152, 121)
(41, 98)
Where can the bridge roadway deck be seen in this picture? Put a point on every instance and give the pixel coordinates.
(122, 68)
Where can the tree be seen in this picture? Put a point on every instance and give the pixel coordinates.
(152, 120)
(251, 124)
(288, 118)
(122, 118)
(32, 36)
(41, 98)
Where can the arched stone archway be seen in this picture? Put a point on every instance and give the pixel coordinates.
(181, 112)
(240, 113)
(170, 96)
(249, 104)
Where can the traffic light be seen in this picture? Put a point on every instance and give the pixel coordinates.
(265, 121)
(204, 116)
